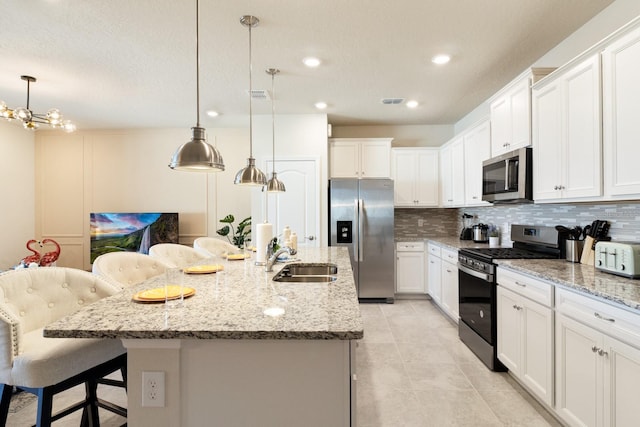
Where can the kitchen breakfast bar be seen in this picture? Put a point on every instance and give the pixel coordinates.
(244, 350)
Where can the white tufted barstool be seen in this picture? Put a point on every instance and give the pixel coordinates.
(127, 268)
(214, 247)
(32, 298)
(176, 255)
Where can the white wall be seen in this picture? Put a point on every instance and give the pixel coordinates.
(16, 193)
(403, 136)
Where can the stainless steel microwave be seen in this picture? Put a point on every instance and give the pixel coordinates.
(508, 177)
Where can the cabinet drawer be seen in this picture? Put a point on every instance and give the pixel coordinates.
(450, 255)
(410, 246)
(434, 249)
(614, 321)
(529, 287)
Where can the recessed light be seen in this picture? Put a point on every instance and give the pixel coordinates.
(311, 62)
(441, 59)
(412, 104)
(321, 105)
(212, 113)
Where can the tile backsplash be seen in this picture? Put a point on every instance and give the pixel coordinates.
(624, 218)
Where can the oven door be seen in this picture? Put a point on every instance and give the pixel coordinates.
(477, 297)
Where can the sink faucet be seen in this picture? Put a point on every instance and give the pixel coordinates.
(273, 258)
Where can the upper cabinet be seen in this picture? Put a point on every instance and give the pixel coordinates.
(621, 124)
(416, 177)
(452, 172)
(511, 114)
(360, 157)
(566, 134)
(477, 148)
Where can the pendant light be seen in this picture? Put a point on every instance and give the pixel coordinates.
(250, 174)
(274, 185)
(197, 155)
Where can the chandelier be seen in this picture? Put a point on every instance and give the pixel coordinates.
(31, 120)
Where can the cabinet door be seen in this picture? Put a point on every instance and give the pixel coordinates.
(547, 141)
(536, 365)
(500, 125)
(345, 159)
(578, 373)
(404, 178)
(435, 278)
(509, 329)
(450, 290)
(581, 157)
(622, 376)
(477, 148)
(446, 177)
(621, 103)
(410, 272)
(427, 178)
(375, 159)
(457, 172)
(520, 103)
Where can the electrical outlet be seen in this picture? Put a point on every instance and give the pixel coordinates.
(421, 223)
(153, 389)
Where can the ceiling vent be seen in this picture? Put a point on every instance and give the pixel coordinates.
(392, 101)
(260, 94)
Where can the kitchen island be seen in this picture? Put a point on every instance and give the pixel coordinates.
(244, 350)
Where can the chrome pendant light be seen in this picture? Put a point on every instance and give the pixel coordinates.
(250, 174)
(197, 155)
(274, 185)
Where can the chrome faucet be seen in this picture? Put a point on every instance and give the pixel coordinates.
(273, 258)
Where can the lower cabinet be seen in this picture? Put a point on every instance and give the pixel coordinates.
(442, 279)
(410, 268)
(434, 279)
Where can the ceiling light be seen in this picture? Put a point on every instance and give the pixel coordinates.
(274, 185)
(412, 104)
(250, 174)
(212, 113)
(197, 155)
(321, 105)
(31, 120)
(311, 62)
(441, 59)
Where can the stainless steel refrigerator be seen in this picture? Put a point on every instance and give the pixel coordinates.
(361, 218)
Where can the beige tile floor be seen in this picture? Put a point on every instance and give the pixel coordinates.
(412, 371)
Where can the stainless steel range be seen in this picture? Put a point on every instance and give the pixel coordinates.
(477, 285)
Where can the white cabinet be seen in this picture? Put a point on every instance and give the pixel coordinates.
(416, 176)
(449, 300)
(410, 267)
(525, 331)
(567, 134)
(510, 117)
(621, 126)
(452, 172)
(360, 157)
(434, 278)
(477, 148)
(597, 362)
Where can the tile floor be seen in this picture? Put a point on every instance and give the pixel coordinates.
(412, 371)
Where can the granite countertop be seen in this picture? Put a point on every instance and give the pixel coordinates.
(230, 305)
(581, 277)
(452, 242)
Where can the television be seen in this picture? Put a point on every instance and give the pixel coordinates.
(130, 232)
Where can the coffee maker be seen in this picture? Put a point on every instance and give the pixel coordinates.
(467, 229)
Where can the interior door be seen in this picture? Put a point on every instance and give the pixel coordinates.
(298, 206)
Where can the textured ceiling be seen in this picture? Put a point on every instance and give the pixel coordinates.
(125, 63)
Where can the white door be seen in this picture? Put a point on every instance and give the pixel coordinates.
(298, 207)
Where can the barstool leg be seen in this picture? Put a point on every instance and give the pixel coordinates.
(7, 392)
(45, 405)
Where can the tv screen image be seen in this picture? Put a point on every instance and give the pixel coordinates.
(131, 232)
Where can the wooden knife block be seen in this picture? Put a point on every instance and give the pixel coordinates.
(588, 252)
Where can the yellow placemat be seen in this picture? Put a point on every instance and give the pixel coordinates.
(237, 256)
(202, 269)
(158, 294)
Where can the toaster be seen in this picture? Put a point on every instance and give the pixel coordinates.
(621, 258)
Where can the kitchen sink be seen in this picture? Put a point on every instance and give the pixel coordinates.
(307, 272)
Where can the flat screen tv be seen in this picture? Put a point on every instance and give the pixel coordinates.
(131, 232)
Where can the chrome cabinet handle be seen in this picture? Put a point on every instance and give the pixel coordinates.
(601, 352)
(594, 349)
(521, 284)
(599, 316)
(517, 307)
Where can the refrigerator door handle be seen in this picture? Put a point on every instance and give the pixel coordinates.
(360, 230)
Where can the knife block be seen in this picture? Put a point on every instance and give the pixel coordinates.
(588, 252)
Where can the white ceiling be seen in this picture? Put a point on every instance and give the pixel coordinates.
(126, 63)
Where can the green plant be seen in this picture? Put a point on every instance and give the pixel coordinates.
(494, 231)
(240, 233)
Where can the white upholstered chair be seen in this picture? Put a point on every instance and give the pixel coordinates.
(32, 298)
(214, 247)
(176, 255)
(127, 268)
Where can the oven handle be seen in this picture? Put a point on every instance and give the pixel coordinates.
(484, 276)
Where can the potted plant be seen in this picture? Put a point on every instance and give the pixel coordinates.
(240, 234)
(494, 236)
